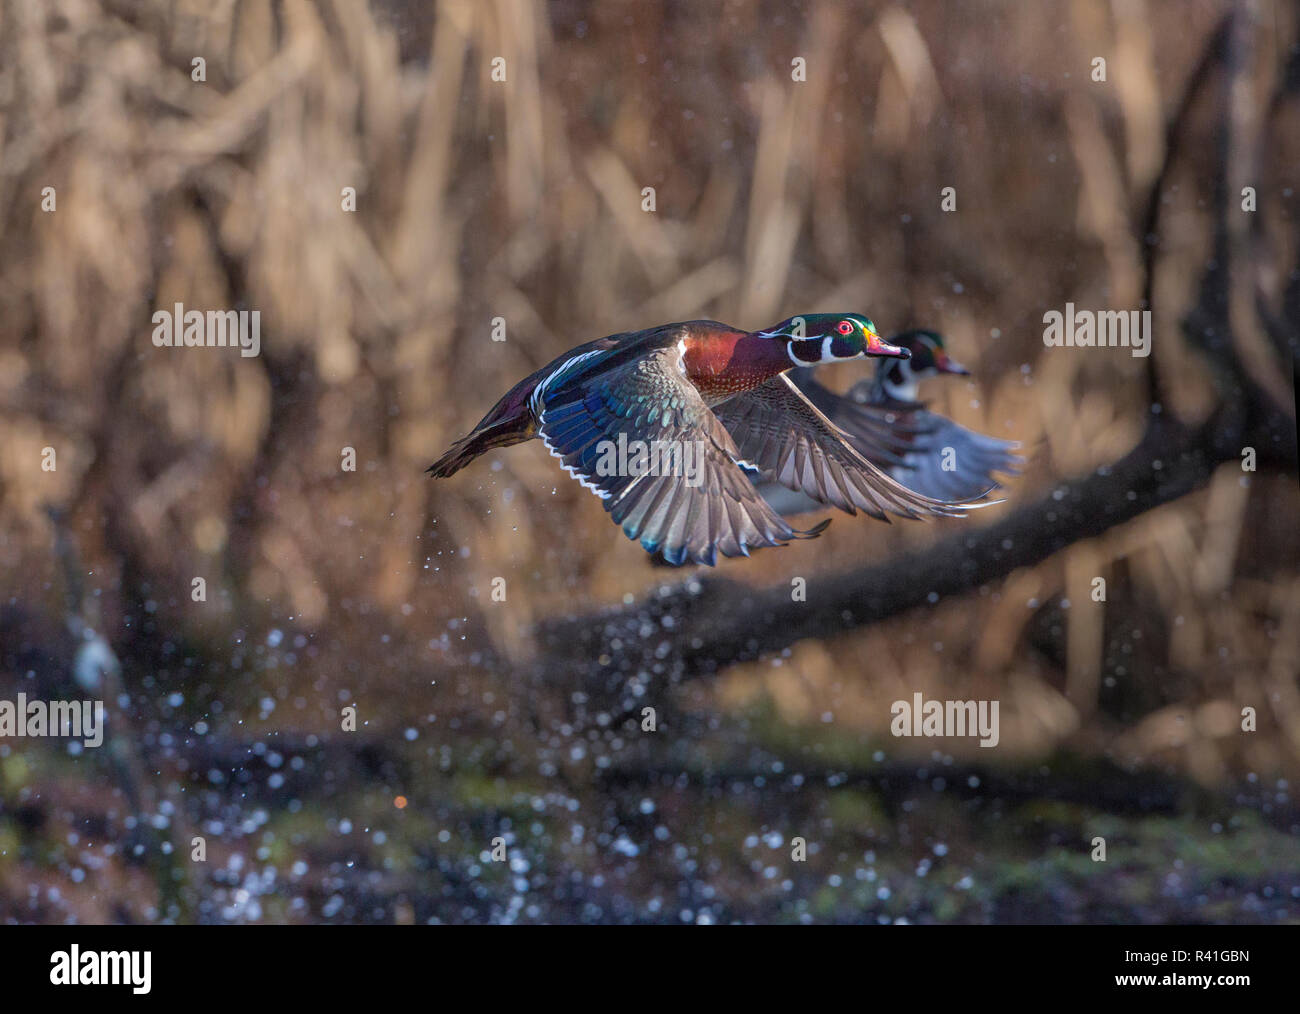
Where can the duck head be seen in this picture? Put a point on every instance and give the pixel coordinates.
(928, 359)
(814, 338)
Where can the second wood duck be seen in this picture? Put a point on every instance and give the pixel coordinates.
(888, 424)
(717, 393)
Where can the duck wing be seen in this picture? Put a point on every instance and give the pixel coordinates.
(950, 462)
(687, 497)
(786, 438)
(883, 434)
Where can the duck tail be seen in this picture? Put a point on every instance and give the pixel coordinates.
(484, 438)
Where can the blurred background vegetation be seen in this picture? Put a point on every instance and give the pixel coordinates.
(521, 199)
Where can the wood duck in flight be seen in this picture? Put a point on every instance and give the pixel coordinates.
(718, 403)
(887, 424)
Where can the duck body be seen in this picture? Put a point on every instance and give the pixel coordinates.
(715, 397)
(720, 361)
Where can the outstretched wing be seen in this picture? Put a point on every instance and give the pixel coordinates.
(883, 434)
(788, 439)
(950, 462)
(935, 455)
(687, 498)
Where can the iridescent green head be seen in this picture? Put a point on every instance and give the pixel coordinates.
(831, 337)
(929, 357)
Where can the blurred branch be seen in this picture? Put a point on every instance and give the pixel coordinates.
(713, 621)
(1214, 53)
(1244, 133)
(1230, 322)
(1100, 783)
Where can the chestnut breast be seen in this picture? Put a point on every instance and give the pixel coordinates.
(722, 364)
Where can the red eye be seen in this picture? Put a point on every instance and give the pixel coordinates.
(844, 327)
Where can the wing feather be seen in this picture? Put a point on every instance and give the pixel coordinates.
(787, 438)
(649, 399)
